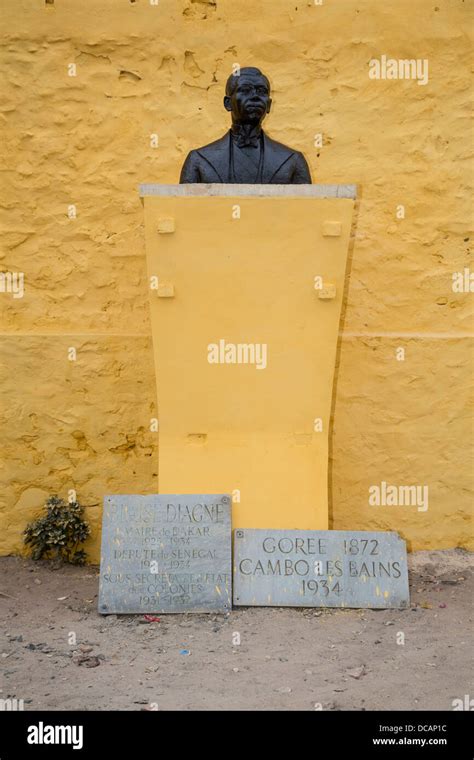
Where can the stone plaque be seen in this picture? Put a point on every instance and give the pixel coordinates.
(166, 553)
(320, 568)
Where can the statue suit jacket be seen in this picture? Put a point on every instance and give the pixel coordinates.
(281, 165)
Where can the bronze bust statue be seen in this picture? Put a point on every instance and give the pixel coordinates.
(246, 155)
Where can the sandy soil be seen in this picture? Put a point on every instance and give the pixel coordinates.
(58, 653)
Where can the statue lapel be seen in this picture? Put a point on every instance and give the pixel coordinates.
(217, 155)
(274, 158)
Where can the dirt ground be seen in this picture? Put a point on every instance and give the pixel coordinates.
(58, 653)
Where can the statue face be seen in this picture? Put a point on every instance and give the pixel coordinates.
(250, 102)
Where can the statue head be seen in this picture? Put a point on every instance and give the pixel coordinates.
(247, 96)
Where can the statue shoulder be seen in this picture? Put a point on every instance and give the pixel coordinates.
(293, 159)
(278, 147)
(213, 146)
(202, 164)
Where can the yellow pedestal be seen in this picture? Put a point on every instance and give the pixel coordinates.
(251, 277)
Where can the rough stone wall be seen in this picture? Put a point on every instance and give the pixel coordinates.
(84, 140)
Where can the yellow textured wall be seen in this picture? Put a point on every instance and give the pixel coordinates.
(85, 140)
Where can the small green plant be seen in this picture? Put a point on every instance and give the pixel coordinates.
(58, 533)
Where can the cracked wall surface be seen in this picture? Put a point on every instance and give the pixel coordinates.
(85, 140)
